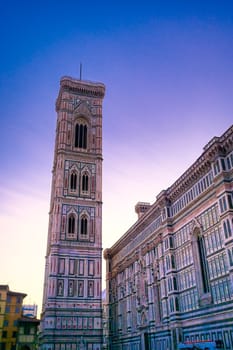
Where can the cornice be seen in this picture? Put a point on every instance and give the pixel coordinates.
(152, 214)
(191, 175)
(134, 256)
(80, 87)
(217, 146)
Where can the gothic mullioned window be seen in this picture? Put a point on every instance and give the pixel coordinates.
(80, 140)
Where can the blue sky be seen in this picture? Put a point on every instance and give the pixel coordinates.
(167, 67)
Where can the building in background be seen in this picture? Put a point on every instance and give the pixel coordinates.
(72, 307)
(170, 276)
(11, 312)
(27, 338)
(3, 297)
(30, 310)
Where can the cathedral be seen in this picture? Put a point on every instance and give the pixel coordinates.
(170, 276)
(72, 307)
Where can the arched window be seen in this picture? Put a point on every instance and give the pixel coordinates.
(227, 228)
(73, 181)
(83, 225)
(85, 182)
(71, 224)
(174, 283)
(203, 265)
(80, 136)
(173, 261)
(177, 304)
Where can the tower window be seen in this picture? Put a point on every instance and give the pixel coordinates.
(84, 225)
(73, 182)
(71, 224)
(85, 183)
(80, 136)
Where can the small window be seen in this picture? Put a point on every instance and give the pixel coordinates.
(4, 334)
(84, 225)
(174, 283)
(230, 203)
(173, 261)
(223, 164)
(85, 183)
(216, 168)
(7, 309)
(71, 224)
(14, 334)
(227, 228)
(73, 181)
(177, 304)
(230, 257)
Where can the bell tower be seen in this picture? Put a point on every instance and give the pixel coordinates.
(72, 305)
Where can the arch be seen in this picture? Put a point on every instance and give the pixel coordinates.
(72, 175)
(173, 262)
(85, 181)
(71, 224)
(200, 260)
(73, 181)
(227, 228)
(82, 109)
(84, 226)
(177, 304)
(174, 283)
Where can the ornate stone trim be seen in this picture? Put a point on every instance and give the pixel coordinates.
(80, 87)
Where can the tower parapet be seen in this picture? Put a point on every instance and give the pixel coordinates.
(141, 208)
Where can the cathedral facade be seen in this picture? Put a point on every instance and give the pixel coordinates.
(170, 276)
(72, 312)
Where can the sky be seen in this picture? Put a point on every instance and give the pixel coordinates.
(168, 71)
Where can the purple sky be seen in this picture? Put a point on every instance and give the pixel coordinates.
(168, 71)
